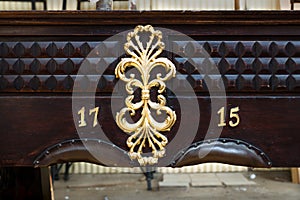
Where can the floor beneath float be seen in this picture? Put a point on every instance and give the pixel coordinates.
(266, 186)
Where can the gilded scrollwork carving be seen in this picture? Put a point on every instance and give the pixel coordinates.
(146, 132)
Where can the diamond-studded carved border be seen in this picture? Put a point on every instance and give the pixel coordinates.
(247, 66)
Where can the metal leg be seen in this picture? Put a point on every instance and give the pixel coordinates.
(66, 174)
(33, 5)
(78, 4)
(149, 177)
(45, 4)
(64, 7)
(148, 172)
(54, 173)
(55, 169)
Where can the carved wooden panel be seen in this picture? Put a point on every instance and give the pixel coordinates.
(44, 66)
(244, 66)
(257, 56)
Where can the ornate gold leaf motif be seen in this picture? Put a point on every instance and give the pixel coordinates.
(146, 131)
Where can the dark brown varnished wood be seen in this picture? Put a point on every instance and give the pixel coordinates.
(25, 183)
(271, 130)
(257, 54)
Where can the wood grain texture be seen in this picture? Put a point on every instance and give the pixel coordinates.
(295, 175)
(46, 121)
(257, 54)
(25, 183)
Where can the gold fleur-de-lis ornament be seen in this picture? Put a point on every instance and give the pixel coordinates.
(146, 131)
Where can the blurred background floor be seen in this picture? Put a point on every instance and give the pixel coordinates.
(267, 185)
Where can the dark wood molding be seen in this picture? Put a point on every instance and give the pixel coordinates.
(46, 124)
(88, 18)
(25, 183)
(256, 52)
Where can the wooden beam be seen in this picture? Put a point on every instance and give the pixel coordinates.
(25, 183)
(237, 4)
(295, 173)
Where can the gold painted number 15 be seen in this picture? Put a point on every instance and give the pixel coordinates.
(233, 115)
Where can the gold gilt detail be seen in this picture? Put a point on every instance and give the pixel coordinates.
(146, 131)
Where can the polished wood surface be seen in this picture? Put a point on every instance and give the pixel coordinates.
(257, 54)
(295, 173)
(25, 183)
